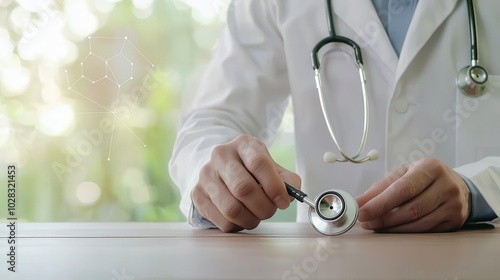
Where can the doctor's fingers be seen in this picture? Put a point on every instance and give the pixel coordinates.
(428, 201)
(380, 186)
(447, 193)
(256, 158)
(417, 178)
(243, 187)
(216, 204)
(443, 219)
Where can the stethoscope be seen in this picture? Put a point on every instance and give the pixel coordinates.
(334, 212)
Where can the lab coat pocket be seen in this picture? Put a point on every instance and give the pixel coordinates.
(477, 124)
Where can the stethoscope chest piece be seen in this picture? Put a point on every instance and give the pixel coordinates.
(472, 80)
(336, 212)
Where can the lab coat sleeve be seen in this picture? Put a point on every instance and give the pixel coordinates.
(485, 175)
(244, 90)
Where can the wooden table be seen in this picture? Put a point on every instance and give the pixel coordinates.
(127, 251)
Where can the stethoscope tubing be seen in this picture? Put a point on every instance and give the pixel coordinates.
(299, 195)
(473, 33)
(471, 80)
(333, 38)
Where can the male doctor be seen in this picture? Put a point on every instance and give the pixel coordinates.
(439, 165)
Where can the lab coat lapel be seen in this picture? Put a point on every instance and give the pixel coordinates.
(429, 15)
(361, 17)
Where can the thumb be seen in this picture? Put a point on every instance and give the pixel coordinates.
(380, 186)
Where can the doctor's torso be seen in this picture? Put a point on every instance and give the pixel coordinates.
(416, 109)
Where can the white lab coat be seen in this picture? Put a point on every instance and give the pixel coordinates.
(416, 110)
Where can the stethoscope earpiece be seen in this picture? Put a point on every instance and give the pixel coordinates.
(330, 157)
(373, 155)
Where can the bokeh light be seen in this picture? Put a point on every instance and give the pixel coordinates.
(206, 12)
(14, 77)
(133, 177)
(140, 195)
(143, 8)
(88, 192)
(142, 4)
(81, 21)
(56, 120)
(51, 93)
(104, 6)
(4, 129)
(6, 46)
(135, 180)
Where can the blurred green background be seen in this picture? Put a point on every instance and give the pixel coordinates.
(91, 93)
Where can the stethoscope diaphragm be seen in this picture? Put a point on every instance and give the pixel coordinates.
(332, 212)
(337, 212)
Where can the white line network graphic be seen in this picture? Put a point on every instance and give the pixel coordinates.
(117, 69)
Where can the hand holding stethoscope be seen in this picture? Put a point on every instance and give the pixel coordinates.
(335, 211)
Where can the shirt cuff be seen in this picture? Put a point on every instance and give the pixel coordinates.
(197, 220)
(480, 210)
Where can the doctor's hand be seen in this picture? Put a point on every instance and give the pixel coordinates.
(241, 185)
(426, 196)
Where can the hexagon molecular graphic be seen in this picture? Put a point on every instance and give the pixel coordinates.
(93, 68)
(114, 68)
(120, 69)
